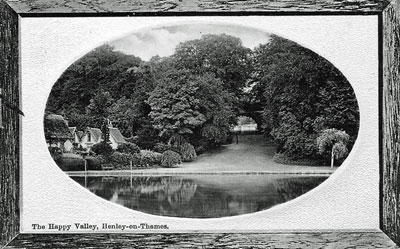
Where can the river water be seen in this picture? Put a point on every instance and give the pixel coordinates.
(200, 196)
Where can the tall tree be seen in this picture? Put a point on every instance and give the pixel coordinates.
(99, 108)
(102, 68)
(301, 94)
(182, 103)
(223, 55)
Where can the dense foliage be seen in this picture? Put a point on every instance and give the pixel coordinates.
(170, 159)
(300, 94)
(148, 157)
(103, 149)
(332, 143)
(189, 102)
(128, 148)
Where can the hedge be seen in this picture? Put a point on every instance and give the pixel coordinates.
(170, 159)
(71, 162)
(150, 158)
(161, 147)
(283, 159)
(187, 152)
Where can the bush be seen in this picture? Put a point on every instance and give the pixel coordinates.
(93, 163)
(71, 162)
(178, 144)
(121, 158)
(284, 159)
(129, 148)
(214, 134)
(148, 157)
(102, 149)
(176, 141)
(161, 147)
(170, 158)
(187, 152)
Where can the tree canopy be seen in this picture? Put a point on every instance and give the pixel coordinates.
(198, 92)
(300, 94)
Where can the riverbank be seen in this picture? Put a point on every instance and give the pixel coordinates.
(172, 173)
(252, 155)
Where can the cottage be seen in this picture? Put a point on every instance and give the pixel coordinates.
(116, 137)
(77, 136)
(91, 136)
(57, 133)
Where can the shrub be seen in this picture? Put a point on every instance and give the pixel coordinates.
(161, 147)
(284, 159)
(121, 158)
(214, 134)
(148, 157)
(93, 163)
(129, 148)
(170, 158)
(187, 152)
(178, 144)
(102, 149)
(176, 141)
(71, 162)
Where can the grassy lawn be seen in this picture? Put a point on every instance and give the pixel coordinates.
(253, 154)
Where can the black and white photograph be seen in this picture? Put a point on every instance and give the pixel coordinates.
(200, 120)
(199, 124)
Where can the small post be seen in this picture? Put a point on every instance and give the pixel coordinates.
(130, 165)
(84, 158)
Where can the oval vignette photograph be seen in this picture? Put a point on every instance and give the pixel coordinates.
(200, 120)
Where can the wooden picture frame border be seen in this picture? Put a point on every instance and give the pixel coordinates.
(11, 11)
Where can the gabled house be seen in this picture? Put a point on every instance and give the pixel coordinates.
(91, 136)
(116, 137)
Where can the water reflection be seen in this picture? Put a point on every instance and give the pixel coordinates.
(200, 196)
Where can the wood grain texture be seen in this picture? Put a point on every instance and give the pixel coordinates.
(391, 122)
(9, 136)
(253, 240)
(104, 6)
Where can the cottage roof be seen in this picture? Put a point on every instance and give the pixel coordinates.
(80, 134)
(72, 130)
(96, 133)
(116, 135)
(56, 128)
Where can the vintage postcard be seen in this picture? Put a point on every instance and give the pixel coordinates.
(199, 123)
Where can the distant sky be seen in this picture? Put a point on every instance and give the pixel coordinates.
(163, 40)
